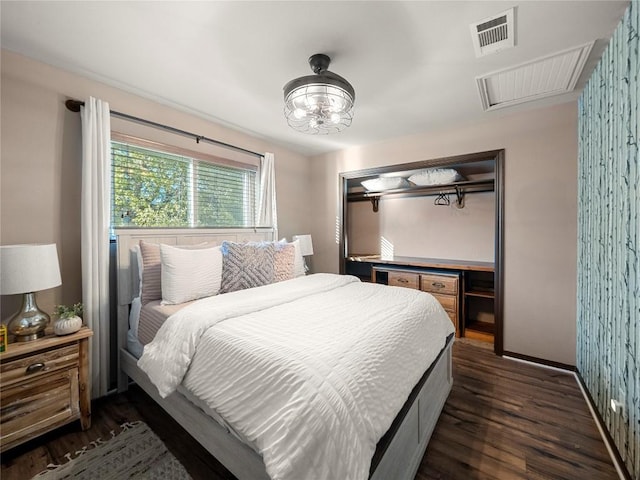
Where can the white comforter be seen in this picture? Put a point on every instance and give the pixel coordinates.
(311, 371)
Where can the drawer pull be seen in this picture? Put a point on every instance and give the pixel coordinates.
(437, 284)
(34, 368)
(403, 280)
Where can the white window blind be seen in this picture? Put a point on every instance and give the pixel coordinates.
(154, 188)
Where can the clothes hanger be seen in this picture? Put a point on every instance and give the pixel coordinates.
(442, 199)
(459, 197)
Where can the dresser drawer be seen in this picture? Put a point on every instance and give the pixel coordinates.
(404, 279)
(39, 364)
(445, 284)
(448, 302)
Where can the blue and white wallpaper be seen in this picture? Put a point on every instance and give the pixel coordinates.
(609, 238)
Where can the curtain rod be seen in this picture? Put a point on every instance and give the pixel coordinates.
(74, 106)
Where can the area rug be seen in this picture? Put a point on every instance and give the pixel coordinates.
(133, 453)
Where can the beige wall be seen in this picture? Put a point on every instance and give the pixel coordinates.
(415, 227)
(40, 177)
(540, 215)
(40, 163)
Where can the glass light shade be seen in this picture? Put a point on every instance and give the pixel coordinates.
(320, 103)
(319, 109)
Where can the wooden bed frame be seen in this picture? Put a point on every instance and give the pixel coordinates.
(399, 452)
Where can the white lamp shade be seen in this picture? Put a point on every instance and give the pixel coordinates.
(28, 268)
(306, 245)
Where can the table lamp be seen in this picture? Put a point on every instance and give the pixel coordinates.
(306, 247)
(27, 269)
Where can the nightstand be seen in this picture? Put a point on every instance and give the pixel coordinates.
(44, 384)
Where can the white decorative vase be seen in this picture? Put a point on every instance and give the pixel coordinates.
(65, 326)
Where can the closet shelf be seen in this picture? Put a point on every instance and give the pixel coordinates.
(470, 186)
(483, 331)
(457, 188)
(480, 293)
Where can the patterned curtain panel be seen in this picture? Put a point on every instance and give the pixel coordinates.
(609, 238)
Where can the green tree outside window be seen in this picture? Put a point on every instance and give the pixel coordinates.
(156, 189)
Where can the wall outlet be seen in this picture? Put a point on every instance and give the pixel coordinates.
(617, 406)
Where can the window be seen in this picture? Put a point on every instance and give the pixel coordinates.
(156, 188)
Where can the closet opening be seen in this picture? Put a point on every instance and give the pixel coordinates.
(434, 225)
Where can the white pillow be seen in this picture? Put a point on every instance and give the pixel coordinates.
(139, 271)
(384, 183)
(435, 176)
(189, 274)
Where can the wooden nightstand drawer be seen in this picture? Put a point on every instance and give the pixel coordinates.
(404, 279)
(34, 405)
(39, 364)
(448, 302)
(44, 384)
(445, 284)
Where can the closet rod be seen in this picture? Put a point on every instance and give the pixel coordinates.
(74, 106)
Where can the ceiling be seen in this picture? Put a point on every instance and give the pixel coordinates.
(412, 64)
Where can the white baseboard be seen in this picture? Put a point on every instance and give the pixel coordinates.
(601, 428)
(536, 364)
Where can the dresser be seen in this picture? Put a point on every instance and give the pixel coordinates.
(465, 289)
(44, 384)
(443, 286)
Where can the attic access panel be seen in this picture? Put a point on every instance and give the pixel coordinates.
(543, 77)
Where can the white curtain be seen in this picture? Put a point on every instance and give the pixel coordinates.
(267, 215)
(95, 219)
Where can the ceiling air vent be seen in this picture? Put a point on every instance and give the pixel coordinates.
(494, 33)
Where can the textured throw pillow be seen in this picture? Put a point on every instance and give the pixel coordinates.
(189, 274)
(283, 261)
(246, 265)
(150, 273)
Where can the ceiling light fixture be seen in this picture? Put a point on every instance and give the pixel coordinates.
(320, 103)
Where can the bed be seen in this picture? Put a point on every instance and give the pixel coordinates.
(296, 399)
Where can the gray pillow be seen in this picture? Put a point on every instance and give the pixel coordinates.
(246, 265)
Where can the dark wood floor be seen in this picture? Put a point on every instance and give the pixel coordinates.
(503, 420)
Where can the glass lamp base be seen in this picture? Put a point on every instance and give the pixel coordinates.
(29, 323)
(28, 338)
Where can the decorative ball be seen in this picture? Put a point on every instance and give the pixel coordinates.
(65, 326)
